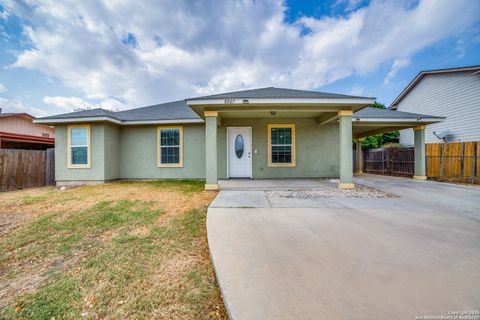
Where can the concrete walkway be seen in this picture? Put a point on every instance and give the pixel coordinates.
(392, 258)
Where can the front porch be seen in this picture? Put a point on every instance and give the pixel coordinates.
(282, 133)
(275, 184)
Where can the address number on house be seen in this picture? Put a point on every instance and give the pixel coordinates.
(229, 101)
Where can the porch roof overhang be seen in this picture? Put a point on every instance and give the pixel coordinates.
(294, 107)
(287, 102)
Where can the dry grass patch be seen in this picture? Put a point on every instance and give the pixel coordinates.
(123, 250)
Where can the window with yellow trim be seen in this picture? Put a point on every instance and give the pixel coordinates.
(79, 146)
(170, 146)
(281, 145)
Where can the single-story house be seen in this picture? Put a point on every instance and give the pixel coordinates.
(452, 93)
(256, 134)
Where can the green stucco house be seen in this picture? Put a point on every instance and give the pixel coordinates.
(254, 134)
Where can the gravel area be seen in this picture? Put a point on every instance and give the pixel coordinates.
(359, 191)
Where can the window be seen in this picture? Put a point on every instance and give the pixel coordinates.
(79, 146)
(281, 145)
(170, 146)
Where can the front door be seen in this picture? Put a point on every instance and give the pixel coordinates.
(239, 152)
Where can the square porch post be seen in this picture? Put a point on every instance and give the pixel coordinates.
(211, 150)
(359, 155)
(419, 153)
(346, 154)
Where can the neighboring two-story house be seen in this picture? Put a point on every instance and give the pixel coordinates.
(450, 93)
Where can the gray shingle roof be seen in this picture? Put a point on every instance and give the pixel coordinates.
(97, 112)
(165, 111)
(272, 92)
(378, 113)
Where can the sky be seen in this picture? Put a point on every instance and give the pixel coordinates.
(56, 56)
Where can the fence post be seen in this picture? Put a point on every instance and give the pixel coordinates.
(441, 159)
(474, 162)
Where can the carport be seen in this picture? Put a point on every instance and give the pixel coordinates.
(370, 121)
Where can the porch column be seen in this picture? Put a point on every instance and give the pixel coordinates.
(419, 153)
(359, 155)
(346, 155)
(211, 150)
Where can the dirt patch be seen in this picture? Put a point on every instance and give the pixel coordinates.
(27, 277)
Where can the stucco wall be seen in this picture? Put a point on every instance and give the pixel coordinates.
(130, 152)
(112, 152)
(138, 156)
(97, 170)
(317, 146)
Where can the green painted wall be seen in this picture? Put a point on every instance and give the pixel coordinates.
(317, 146)
(112, 152)
(129, 152)
(104, 143)
(138, 153)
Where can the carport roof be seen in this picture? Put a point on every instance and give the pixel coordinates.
(377, 113)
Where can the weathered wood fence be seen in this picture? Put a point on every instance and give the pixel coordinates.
(26, 168)
(389, 161)
(456, 160)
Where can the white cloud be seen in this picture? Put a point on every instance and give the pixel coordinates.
(396, 65)
(2, 89)
(356, 91)
(71, 103)
(18, 106)
(183, 49)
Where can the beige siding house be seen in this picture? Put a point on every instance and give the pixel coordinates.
(17, 131)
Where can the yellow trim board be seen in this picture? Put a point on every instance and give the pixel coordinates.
(211, 187)
(419, 177)
(343, 113)
(419, 128)
(169, 165)
(69, 151)
(210, 113)
(343, 185)
(269, 142)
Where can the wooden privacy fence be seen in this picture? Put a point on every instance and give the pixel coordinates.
(389, 161)
(453, 160)
(457, 160)
(26, 168)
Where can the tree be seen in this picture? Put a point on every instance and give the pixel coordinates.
(378, 140)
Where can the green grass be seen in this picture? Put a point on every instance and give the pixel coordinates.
(115, 260)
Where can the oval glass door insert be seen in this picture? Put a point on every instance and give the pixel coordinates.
(239, 146)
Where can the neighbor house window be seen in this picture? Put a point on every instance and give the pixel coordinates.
(79, 146)
(170, 146)
(281, 145)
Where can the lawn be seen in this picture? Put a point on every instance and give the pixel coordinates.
(135, 250)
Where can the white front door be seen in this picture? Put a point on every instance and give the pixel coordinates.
(239, 152)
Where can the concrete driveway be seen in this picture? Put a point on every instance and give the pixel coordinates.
(417, 255)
